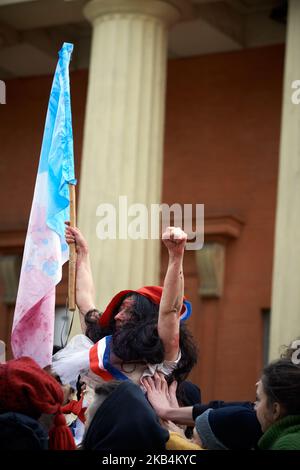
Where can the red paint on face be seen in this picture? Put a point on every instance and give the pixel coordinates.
(125, 312)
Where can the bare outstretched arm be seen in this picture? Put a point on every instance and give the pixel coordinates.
(172, 297)
(85, 292)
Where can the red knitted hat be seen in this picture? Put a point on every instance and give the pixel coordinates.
(26, 388)
(152, 293)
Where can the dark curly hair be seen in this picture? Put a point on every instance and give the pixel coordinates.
(138, 339)
(281, 383)
(143, 309)
(93, 329)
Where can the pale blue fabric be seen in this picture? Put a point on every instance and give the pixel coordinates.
(57, 154)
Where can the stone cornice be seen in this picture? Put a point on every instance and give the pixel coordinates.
(167, 11)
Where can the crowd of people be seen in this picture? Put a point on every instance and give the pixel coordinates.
(122, 384)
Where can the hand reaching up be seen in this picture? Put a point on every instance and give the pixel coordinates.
(174, 238)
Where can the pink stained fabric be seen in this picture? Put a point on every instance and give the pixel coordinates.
(33, 325)
(45, 248)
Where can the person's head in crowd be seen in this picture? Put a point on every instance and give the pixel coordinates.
(126, 306)
(134, 325)
(132, 317)
(27, 389)
(228, 428)
(122, 419)
(278, 392)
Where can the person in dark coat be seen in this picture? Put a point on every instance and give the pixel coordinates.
(122, 419)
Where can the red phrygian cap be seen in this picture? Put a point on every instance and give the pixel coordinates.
(152, 293)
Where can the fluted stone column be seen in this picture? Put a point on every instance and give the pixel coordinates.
(285, 315)
(124, 127)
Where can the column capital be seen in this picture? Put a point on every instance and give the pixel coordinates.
(167, 11)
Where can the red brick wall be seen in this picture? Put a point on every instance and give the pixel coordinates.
(22, 122)
(221, 149)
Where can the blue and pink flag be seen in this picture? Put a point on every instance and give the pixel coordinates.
(45, 248)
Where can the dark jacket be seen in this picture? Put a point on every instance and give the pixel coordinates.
(125, 421)
(20, 432)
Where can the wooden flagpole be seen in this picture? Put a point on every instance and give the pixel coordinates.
(72, 258)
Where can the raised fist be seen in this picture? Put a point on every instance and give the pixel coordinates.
(174, 239)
